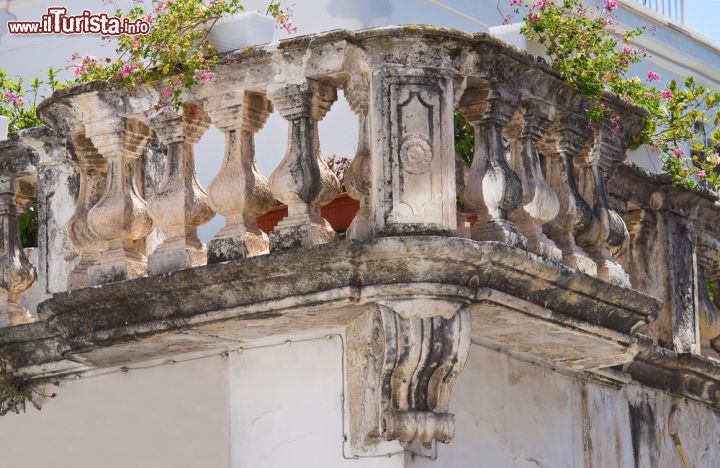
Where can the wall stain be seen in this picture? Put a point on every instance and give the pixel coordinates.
(642, 430)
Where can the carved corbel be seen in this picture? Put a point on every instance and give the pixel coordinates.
(402, 365)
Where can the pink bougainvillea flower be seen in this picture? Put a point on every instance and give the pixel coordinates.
(652, 76)
(533, 18)
(611, 4)
(286, 23)
(667, 94)
(627, 50)
(701, 173)
(677, 152)
(541, 4)
(14, 98)
(128, 69)
(204, 76)
(87, 63)
(515, 2)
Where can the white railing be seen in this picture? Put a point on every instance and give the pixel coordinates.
(673, 9)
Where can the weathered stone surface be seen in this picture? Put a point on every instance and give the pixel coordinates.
(540, 203)
(548, 274)
(338, 277)
(17, 187)
(180, 204)
(302, 180)
(409, 364)
(239, 192)
(663, 243)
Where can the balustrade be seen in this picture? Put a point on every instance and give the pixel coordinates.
(539, 179)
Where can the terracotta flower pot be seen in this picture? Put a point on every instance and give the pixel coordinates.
(339, 213)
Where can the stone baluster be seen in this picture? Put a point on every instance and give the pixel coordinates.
(180, 205)
(358, 179)
(239, 192)
(607, 228)
(121, 216)
(302, 180)
(539, 204)
(569, 139)
(17, 274)
(92, 169)
(492, 189)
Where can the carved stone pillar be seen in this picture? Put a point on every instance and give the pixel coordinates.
(568, 140)
(403, 366)
(680, 311)
(180, 205)
(17, 274)
(121, 216)
(539, 204)
(413, 167)
(493, 190)
(708, 258)
(92, 169)
(358, 179)
(239, 192)
(302, 180)
(607, 228)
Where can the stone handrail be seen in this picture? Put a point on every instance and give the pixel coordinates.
(537, 180)
(119, 200)
(404, 84)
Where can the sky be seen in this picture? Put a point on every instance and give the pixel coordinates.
(704, 17)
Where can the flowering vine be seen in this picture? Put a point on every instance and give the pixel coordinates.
(682, 121)
(175, 51)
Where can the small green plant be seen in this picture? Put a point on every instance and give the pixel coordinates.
(17, 390)
(175, 51)
(28, 222)
(584, 48)
(464, 139)
(18, 98)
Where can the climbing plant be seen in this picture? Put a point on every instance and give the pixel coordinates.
(591, 55)
(17, 390)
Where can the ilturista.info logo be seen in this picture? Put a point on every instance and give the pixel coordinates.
(57, 21)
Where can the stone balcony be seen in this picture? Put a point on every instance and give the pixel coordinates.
(575, 260)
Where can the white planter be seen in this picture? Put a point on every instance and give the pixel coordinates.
(4, 122)
(511, 34)
(241, 30)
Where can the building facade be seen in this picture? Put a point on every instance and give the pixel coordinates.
(565, 315)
